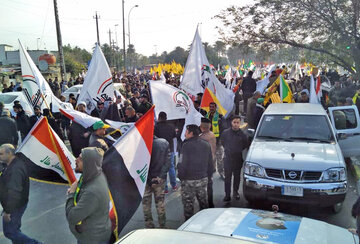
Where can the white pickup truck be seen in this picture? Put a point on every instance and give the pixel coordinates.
(297, 154)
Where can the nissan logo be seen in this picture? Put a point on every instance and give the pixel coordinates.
(292, 175)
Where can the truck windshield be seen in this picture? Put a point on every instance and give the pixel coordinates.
(312, 128)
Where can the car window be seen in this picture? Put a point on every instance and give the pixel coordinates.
(6, 99)
(345, 119)
(296, 127)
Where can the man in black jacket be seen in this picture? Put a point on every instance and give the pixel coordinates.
(22, 121)
(248, 87)
(166, 130)
(9, 132)
(14, 194)
(37, 115)
(194, 169)
(234, 142)
(159, 166)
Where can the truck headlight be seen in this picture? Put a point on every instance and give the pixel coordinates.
(254, 169)
(334, 175)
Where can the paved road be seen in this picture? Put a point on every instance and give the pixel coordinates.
(45, 220)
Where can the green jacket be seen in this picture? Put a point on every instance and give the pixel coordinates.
(89, 219)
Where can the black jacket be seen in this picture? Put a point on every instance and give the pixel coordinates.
(160, 159)
(164, 129)
(249, 85)
(77, 139)
(234, 142)
(23, 124)
(8, 133)
(14, 186)
(196, 161)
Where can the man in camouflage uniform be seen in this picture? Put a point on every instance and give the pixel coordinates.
(217, 127)
(159, 166)
(194, 168)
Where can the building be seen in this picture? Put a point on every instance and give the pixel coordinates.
(11, 57)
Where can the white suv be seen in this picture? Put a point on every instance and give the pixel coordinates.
(295, 155)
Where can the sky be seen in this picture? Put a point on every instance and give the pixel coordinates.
(155, 26)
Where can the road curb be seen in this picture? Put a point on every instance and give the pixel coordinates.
(355, 169)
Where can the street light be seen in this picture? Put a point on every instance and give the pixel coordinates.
(117, 44)
(129, 21)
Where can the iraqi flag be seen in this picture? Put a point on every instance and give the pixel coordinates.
(46, 156)
(126, 165)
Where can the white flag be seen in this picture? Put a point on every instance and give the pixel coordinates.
(122, 126)
(36, 88)
(174, 102)
(313, 97)
(198, 75)
(98, 84)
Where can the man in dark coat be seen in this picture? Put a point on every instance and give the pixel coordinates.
(194, 168)
(234, 142)
(10, 134)
(14, 194)
(248, 87)
(22, 121)
(37, 115)
(166, 130)
(159, 166)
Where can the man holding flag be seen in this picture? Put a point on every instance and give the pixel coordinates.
(87, 204)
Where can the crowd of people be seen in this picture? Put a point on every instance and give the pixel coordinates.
(216, 145)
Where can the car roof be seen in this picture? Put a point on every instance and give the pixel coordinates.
(225, 222)
(295, 108)
(163, 236)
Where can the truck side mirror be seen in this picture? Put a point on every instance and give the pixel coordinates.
(341, 136)
(251, 133)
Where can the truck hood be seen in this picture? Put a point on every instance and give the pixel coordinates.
(308, 156)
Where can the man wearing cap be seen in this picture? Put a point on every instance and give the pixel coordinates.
(22, 120)
(81, 107)
(251, 109)
(194, 168)
(259, 110)
(9, 132)
(208, 136)
(37, 115)
(144, 104)
(97, 137)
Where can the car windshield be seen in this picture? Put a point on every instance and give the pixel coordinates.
(313, 128)
(7, 99)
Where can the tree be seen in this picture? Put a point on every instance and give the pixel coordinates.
(179, 55)
(76, 59)
(329, 27)
(220, 48)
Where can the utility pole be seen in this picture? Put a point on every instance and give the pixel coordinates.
(59, 41)
(96, 17)
(111, 52)
(123, 17)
